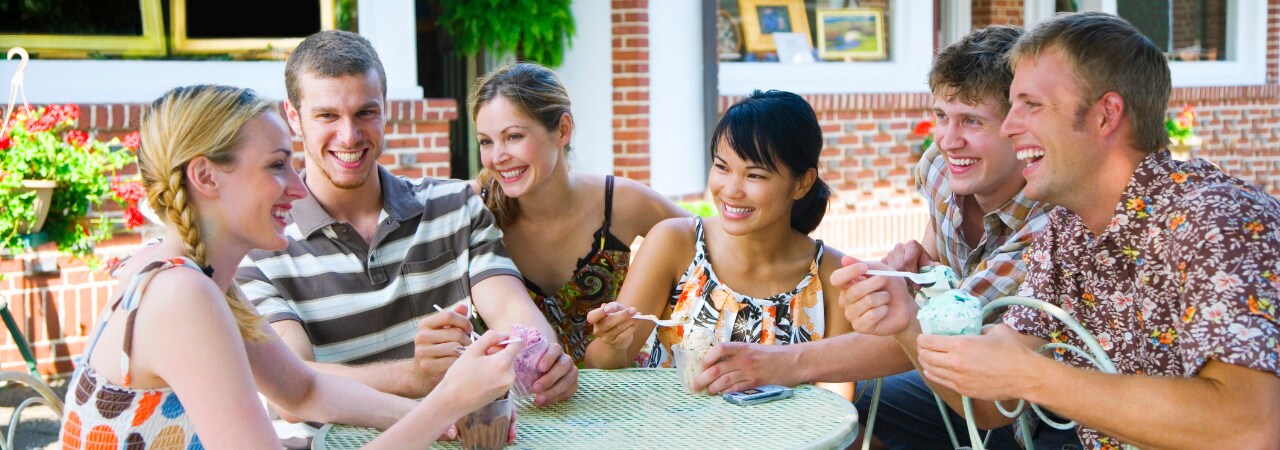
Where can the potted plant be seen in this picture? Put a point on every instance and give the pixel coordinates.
(1182, 134)
(48, 166)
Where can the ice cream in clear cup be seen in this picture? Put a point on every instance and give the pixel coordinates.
(951, 313)
(688, 354)
(527, 362)
(486, 428)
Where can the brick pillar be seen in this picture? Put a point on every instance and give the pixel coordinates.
(992, 12)
(631, 89)
(1273, 41)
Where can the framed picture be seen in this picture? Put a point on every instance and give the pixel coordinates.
(851, 33)
(762, 18)
(111, 27)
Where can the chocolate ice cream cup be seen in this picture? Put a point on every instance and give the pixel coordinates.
(486, 428)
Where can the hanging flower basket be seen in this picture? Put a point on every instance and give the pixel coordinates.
(43, 194)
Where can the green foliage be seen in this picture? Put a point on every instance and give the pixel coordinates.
(701, 208)
(534, 30)
(42, 146)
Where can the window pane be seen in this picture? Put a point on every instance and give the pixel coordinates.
(1187, 30)
(97, 17)
(208, 19)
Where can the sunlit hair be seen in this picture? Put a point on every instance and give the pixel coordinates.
(778, 129)
(1108, 55)
(975, 69)
(536, 92)
(183, 124)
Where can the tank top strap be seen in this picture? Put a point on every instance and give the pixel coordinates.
(817, 258)
(700, 240)
(608, 209)
(129, 301)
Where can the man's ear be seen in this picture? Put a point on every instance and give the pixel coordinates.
(295, 121)
(202, 176)
(806, 183)
(1113, 111)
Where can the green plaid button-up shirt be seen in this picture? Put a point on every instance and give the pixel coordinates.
(994, 268)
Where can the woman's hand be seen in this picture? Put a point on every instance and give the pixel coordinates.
(613, 325)
(483, 373)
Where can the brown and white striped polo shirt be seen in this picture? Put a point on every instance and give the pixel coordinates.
(361, 303)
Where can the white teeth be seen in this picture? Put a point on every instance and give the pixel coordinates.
(280, 213)
(348, 156)
(1031, 153)
(962, 161)
(511, 173)
(732, 210)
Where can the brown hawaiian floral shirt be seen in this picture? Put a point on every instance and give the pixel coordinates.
(1187, 271)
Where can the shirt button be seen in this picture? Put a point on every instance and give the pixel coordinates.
(340, 228)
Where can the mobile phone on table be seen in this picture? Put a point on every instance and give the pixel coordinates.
(758, 394)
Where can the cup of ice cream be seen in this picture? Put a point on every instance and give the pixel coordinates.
(527, 362)
(688, 354)
(486, 428)
(951, 313)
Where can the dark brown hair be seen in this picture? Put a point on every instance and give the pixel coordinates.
(974, 69)
(331, 54)
(1109, 55)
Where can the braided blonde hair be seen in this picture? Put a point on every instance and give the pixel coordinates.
(185, 123)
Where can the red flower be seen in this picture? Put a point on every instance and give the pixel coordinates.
(6, 142)
(45, 122)
(133, 216)
(924, 127)
(77, 137)
(132, 141)
(130, 191)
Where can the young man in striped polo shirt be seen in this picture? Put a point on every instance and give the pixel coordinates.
(372, 256)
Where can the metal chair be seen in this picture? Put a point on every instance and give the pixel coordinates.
(45, 397)
(18, 338)
(1095, 355)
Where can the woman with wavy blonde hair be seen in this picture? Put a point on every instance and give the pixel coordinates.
(216, 162)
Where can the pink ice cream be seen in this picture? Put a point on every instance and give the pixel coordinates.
(527, 363)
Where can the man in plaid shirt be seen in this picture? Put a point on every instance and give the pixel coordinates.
(981, 221)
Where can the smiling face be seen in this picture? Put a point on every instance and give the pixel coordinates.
(980, 162)
(518, 149)
(341, 123)
(257, 189)
(1047, 126)
(751, 197)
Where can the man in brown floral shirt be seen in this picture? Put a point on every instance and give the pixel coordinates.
(1173, 266)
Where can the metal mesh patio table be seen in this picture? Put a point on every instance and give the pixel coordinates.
(648, 408)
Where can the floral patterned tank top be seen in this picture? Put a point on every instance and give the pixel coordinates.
(596, 282)
(788, 318)
(102, 415)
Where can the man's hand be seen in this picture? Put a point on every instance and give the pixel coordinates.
(876, 305)
(734, 366)
(435, 346)
(613, 325)
(908, 256)
(981, 367)
(559, 376)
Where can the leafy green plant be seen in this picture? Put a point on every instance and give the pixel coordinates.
(701, 208)
(534, 30)
(1182, 130)
(43, 145)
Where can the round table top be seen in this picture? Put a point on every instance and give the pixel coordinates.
(648, 408)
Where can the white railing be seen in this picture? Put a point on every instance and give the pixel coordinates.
(872, 234)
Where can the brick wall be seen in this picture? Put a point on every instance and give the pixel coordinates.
(1240, 127)
(1004, 12)
(55, 312)
(631, 89)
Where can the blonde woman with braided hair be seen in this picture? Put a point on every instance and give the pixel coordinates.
(216, 162)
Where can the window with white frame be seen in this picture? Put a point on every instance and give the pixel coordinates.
(1209, 42)
(824, 46)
